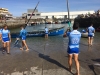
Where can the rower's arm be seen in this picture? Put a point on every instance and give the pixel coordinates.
(0, 36)
(94, 30)
(9, 36)
(65, 34)
(20, 34)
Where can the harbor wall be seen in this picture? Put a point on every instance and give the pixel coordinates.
(12, 23)
(86, 22)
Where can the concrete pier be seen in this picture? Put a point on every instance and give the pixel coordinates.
(49, 57)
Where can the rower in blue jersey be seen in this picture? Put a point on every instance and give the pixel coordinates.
(73, 47)
(91, 31)
(83, 31)
(46, 32)
(22, 35)
(6, 39)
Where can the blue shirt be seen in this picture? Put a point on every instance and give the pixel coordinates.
(46, 30)
(74, 39)
(5, 33)
(90, 30)
(68, 33)
(23, 33)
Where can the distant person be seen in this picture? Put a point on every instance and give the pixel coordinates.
(91, 31)
(83, 31)
(6, 39)
(73, 47)
(46, 32)
(23, 34)
(86, 29)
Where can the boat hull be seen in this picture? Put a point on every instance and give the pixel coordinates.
(53, 32)
(85, 35)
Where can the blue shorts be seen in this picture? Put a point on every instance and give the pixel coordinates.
(73, 50)
(23, 38)
(90, 35)
(46, 33)
(5, 39)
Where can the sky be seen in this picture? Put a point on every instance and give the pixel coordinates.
(17, 7)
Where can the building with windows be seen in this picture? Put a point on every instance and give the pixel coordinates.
(35, 15)
(57, 15)
(5, 13)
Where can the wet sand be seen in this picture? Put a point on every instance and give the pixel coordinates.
(49, 57)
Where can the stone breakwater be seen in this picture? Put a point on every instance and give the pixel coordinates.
(12, 23)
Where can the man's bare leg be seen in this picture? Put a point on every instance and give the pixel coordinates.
(8, 47)
(88, 40)
(24, 42)
(77, 64)
(70, 61)
(22, 46)
(91, 41)
(4, 46)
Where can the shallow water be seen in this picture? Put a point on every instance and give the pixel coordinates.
(54, 39)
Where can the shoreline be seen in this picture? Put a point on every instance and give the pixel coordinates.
(12, 23)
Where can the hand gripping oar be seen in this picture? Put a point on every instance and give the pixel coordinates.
(68, 29)
(17, 40)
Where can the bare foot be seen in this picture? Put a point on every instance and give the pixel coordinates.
(21, 49)
(27, 50)
(91, 44)
(76, 74)
(70, 69)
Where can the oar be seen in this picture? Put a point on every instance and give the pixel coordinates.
(69, 23)
(67, 28)
(17, 40)
(31, 15)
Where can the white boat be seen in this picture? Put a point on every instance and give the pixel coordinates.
(85, 35)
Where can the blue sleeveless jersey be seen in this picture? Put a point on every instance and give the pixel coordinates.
(5, 33)
(23, 33)
(74, 39)
(46, 30)
(90, 30)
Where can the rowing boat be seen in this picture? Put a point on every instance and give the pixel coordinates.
(52, 32)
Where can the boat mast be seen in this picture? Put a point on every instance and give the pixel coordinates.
(68, 10)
